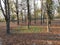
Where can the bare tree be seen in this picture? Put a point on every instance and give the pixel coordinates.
(17, 12)
(59, 7)
(6, 14)
(34, 12)
(29, 17)
(42, 11)
(49, 13)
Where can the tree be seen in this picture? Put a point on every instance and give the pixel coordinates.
(29, 16)
(34, 12)
(25, 15)
(49, 13)
(59, 7)
(17, 12)
(6, 14)
(41, 11)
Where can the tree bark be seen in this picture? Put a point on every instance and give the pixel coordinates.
(29, 21)
(49, 13)
(41, 11)
(8, 26)
(17, 12)
(8, 18)
(6, 14)
(34, 12)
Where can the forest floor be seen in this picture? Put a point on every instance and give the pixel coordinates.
(40, 38)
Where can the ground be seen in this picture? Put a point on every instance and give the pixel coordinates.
(41, 38)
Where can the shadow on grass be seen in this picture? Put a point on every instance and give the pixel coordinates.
(32, 29)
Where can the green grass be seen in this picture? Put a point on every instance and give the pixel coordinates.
(24, 29)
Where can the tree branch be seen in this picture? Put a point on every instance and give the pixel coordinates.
(2, 9)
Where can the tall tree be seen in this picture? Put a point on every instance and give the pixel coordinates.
(34, 12)
(41, 10)
(21, 10)
(6, 14)
(17, 12)
(25, 14)
(49, 13)
(29, 17)
(59, 7)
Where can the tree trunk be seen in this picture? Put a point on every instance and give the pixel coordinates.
(59, 7)
(48, 24)
(41, 11)
(34, 12)
(43, 17)
(6, 15)
(22, 17)
(7, 18)
(28, 14)
(17, 12)
(25, 15)
(17, 19)
(49, 13)
(8, 26)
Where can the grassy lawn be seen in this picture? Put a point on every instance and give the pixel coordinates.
(32, 29)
